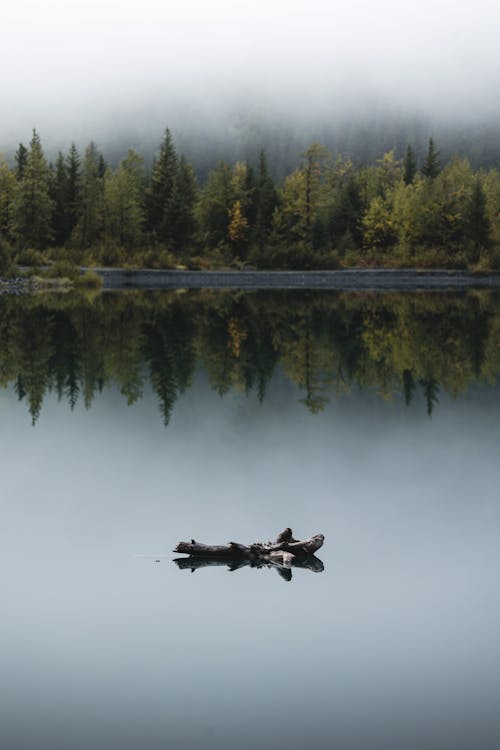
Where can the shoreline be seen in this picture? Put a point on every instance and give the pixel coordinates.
(356, 279)
(352, 279)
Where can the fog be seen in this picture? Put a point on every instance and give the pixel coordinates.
(98, 68)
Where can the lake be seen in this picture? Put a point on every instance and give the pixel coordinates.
(131, 421)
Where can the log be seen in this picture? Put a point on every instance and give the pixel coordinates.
(285, 549)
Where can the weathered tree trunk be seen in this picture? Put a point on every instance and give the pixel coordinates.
(285, 550)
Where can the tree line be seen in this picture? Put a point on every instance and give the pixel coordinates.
(326, 213)
(412, 347)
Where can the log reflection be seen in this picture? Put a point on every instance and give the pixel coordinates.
(311, 562)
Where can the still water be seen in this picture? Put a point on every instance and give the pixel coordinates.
(130, 422)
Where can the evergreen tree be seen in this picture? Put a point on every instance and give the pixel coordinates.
(161, 190)
(431, 166)
(345, 220)
(58, 193)
(101, 166)
(266, 202)
(430, 387)
(409, 166)
(408, 386)
(90, 206)
(477, 223)
(182, 206)
(73, 166)
(33, 204)
(7, 193)
(21, 158)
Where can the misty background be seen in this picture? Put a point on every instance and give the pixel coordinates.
(229, 78)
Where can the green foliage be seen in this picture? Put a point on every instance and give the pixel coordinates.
(89, 225)
(32, 204)
(324, 210)
(477, 224)
(266, 202)
(413, 346)
(89, 280)
(431, 167)
(21, 159)
(7, 195)
(216, 200)
(379, 230)
(409, 166)
(182, 206)
(161, 190)
(124, 212)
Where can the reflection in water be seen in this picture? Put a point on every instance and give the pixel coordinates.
(326, 343)
(311, 562)
(395, 645)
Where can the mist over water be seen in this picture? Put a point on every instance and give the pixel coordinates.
(394, 644)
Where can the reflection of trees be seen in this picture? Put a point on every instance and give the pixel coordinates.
(169, 350)
(416, 345)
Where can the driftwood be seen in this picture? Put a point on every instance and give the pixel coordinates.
(282, 554)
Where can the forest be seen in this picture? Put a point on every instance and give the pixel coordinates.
(328, 212)
(413, 347)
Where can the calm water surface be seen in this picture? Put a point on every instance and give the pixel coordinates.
(374, 420)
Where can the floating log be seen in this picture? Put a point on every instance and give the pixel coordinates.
(282, 553)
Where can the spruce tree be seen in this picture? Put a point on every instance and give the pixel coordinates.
(7, 193)
(58, 192)
(182, 206)
(431, 166)
(33, 205)
(266, 200)
(409, 166)
(161, 190)
(73, 166)
(477, 223)
(90, 204)
(21, 158)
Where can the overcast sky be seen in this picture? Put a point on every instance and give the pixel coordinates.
(64, 60)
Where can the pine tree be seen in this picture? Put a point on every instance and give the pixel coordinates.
(431, 166)
(409, 166)
(33, 205)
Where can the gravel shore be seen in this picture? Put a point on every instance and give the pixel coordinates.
(355, 279)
